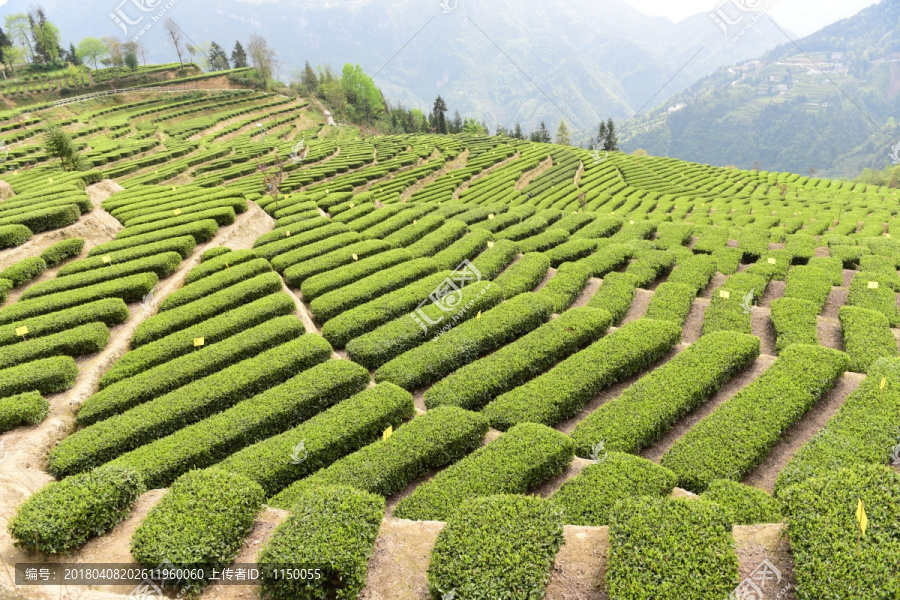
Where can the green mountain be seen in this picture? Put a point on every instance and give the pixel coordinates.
(826, 102)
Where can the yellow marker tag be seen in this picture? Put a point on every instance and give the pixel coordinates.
(887, 235)
(21, 331)
(490, 244)
(107, 259)
(287, 234)
(772, 261)
(177, 211)
(631, 222)
(352, 205)
(883, 382)
(873, 285)
(415, 221)
(861, 516)
(387, 433)
(355, 257)
(478, 316)
(174, 188)
(724, 294)
(199, 342)
(491, 216)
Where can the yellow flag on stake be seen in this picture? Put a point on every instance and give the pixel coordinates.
(883, 382)
(355, 257)
(107, 259)
(23, 331)
(199, 342)
(388, 433)
(861, 516)
(478, 316)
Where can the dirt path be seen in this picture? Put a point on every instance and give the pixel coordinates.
(457, 163)
(528, 176)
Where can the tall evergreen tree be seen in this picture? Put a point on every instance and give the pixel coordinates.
(612, 140)
(217, 58)
(73, 56)
(541, 134)
(309, 80)
(238, 56)
(601, 136)
(439, 114)
(456, 125)
(517, 132)
(562, 134)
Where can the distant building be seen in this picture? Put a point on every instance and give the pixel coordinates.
(763, 91)
(783, 88)
(837, 55)
(774, 78)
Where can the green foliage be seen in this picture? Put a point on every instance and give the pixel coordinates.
(29, 408)
(162, 265)
(588, 498)
(795, 321)
(62, 251)
(497, 547)
(183, 245)
(867, 337)
(524, 275)
(24, 271)
(78, 341)
(13, 235)
(671, 302)
(744, 505)
(111, 312)
(47, 376)
(214, 252)
(63, 515)
(58, 144)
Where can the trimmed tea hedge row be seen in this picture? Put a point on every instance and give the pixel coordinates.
(62, 251)
(830, 265)
(464, 248)
(880, 298)
(213, 330)
(515, 463)
(867, 337)
(29, 408)
(201, 231)
(808, 283)
(648, 409)
(735, 438)
(168, 322)
(305, 226)
(222, 217)
(182, 245)
(166, 414)
(571, 251)
(13, 235)
(439, 239)
(339, 277)
(427, 443)
(864, 430)
(524, 275)
(63, 515)
(608, 259)
(215, 283)
(674, 549)
(475, 385)
(291, 241)
(23, 271)
(744, 505)
(492, 261)
(588, 498)
(615, 295)
(266, 414)
(218, 263)
(111, 312)
(162, 265)
(501, 546)
(565, 286)
(695, 272)
(331, 530)
(466, 342)
(47, 376)
(392, 339)
(831, 560)
(130, 289)
(671, 302)
(295, 275)
(78, 341)
(201, 521)
(561, 392)
(215, 252)
(330, 305)
(167, 377)
(323, 439)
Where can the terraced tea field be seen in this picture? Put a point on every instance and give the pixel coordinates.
(411, 367)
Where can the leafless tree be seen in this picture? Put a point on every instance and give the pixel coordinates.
(175, 33)
(273, 175)
(114, 47)
(262, 57)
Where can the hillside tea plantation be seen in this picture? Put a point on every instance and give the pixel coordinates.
(438, 366)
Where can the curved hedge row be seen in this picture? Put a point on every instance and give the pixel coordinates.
(28, 408)
(524, 275)
(215, 283)
(110, 311)
(218, 262)
(183, 245)
(46, 375)
(13, 235)
(78, 341)
(201, 231)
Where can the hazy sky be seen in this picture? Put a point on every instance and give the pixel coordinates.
(800, 16)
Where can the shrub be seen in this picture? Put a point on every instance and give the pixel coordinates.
(111, 311)
(830, 265)
(162, 265)
(13, 235)
(733, 440)
(213, 330)
(562, 391)
(5, 286)
(650, 265)
(696, 272)
(429, 442)
(332, 531)
(808, 283)
(468, 341)
(571, 251)
(543, 242)
(78, 341)
(44, 219)
(671, 302)
(183, 245)
(330, 305)
(601, 228)
(337, 432)
(157, 418)
(497, 547)
(492, 261)
(29, 408)
(63, 515)
(588, 498)
(201, 231)
(831, 560)
(615, 295)
(882, 298)
(167, 377)
(296, 274)
(222, 216)
(215, 283)
(292, 241)
(864, 430)
(515, 463)
(727, 260)
(339, 277)
(674, 549)
(201, 521)
(476, 384)
(524, 275)
(130, 289)
(409, 331)
(24, 271)
(213, 253)
(743, 504)
(867, 337)
(62, 251)
(170, 321)
(795, 322)
(266, 414)
(565, 286)
(648, 409)
(47, 376)
(218, 263)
